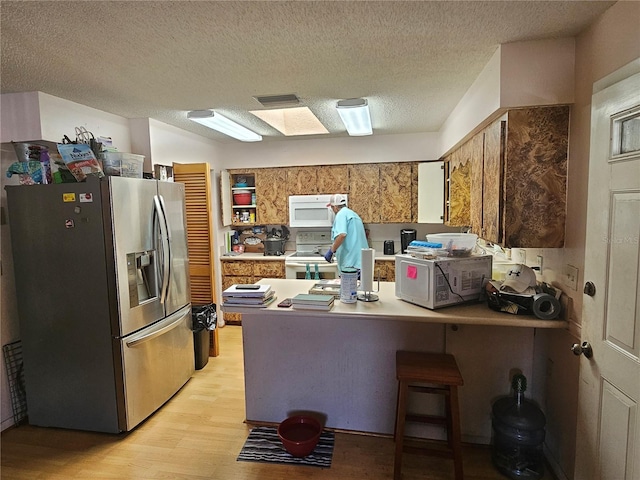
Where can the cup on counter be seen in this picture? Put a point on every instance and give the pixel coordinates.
(349, 285)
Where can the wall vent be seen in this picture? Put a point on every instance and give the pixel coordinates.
(286, 100)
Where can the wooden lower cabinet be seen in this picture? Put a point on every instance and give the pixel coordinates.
(247, 271)
(268, 269)
(385, 270)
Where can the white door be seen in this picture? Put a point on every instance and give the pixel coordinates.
(608, 437)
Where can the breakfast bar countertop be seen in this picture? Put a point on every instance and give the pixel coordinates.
(261, 256)
(341, 362)
(392, 308)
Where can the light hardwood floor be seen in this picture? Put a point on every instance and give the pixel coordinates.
(198, 434)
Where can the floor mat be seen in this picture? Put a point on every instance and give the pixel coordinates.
(263, 445)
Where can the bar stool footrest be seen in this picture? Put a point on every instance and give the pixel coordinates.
(421, 447)
(431, 419)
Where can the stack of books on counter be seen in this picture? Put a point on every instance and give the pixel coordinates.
(248, 295)
(309, 301)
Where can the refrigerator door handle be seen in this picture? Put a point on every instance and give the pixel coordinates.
(166, 246)
(166, 219)
(169, 323)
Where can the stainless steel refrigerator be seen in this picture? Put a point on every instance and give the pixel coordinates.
(101, 271)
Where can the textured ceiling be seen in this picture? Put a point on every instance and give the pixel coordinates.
(413, 61)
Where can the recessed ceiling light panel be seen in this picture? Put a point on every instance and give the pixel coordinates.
(292, 121)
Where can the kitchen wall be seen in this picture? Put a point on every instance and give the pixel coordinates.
(519, 74)
(327, 151)
(612, 42)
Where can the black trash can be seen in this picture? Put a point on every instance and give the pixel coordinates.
(203, 320)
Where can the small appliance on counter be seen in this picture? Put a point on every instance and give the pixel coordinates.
(407, 236)
(442, 281)
(274, 244)
(389, 247)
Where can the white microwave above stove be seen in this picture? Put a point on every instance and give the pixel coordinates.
(310, 211)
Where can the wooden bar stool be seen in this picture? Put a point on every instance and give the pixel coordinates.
(441, 372)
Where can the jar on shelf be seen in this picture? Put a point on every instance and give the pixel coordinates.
(253, 198)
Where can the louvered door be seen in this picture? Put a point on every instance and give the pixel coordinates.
(197, 181)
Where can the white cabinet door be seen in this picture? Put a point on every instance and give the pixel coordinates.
(225, 197)
(431, 192)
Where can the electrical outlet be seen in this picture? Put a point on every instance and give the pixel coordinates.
(539, 263)
(571, 277)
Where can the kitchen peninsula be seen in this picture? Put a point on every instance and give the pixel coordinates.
(341, 363)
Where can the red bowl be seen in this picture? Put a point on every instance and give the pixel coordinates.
(242, 198)
(300, 434)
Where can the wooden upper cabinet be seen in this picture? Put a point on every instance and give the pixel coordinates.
(395, 192)
(272, 196)
(364, 191)
(321, 179)
(414, 192)
(302, 180)
(379, 193)
(509, 182)
(332, 179)
(474, 152)
(492, 186)
(459, 172)
(535, 177)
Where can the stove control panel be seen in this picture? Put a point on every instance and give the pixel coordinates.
(313, 238)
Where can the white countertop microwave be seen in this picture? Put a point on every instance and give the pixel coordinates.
(443, 281)
(310, 211)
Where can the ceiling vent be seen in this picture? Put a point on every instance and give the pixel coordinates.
(286, 100)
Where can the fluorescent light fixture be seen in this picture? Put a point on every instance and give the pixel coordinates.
(292, 121)
(222, 124)
(354, 113)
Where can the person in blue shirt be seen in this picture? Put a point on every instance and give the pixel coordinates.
(347, 234)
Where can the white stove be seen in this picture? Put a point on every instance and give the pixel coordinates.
(308, 260)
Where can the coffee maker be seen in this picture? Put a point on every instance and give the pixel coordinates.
(407, 235)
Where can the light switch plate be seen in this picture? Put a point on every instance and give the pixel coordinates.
(519, 255)
(571, 277)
